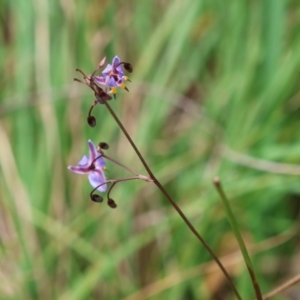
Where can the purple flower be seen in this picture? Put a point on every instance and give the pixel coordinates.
(93, 166)
(113, 76)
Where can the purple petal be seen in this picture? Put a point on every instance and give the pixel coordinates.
(96, 178)
(79, 170)
(100, 163)
(93, 151)
(99, 79)
(107, 70)
(115, 62)
(84, 162)
(120, 81)
(120, 71)
(110, 81)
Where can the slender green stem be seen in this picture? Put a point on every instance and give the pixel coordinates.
(173, 203)
(239, 238)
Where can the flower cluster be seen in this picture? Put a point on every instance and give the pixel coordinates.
(113, 76)
(106, 85)
(94, 165)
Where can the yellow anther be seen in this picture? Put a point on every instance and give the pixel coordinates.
(113, 90)
(126, 78)
(104, 168)
(123, 85)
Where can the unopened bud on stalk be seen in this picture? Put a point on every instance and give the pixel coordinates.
(103, 145)
(111, 203)
(91, 121)
(102, 63)
(128, 67)
(96, 198)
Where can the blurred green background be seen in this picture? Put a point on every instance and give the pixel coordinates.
(215, 91)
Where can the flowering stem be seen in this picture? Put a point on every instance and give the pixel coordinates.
(239, 237)
(173, 203)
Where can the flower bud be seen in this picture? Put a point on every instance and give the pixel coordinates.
(111, 203)
(91, 121)
(102, 62)
(128, 67)
(96, 198)
(103, 145)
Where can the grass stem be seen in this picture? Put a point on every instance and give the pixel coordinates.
(239, 238)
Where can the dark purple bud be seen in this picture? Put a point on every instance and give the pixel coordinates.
(111, 203)
(91, 121)
(96, 198)
(103, 145)
(128, 67)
